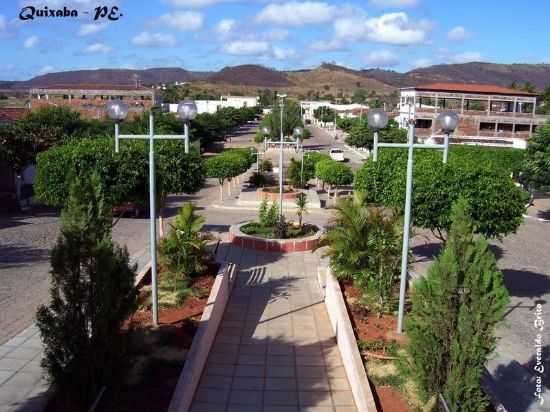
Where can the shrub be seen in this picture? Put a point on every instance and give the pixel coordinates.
(258, 179)
(266, 166)
(537, 160)
(295, 169)
(268, 215)
(281, 229)
(92, 293)
(455, 310)
(334, 173)
(497, 204)
(301, 206)
(124, 176)
(365, 245)
(184, 251)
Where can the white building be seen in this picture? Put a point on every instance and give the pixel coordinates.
(343, 110)
(212, 106)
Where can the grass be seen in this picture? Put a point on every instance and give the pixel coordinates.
(268, 232)
(172, 292)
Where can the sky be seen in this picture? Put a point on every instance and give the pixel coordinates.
(208, 35)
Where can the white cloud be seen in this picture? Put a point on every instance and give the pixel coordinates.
(87, 29)
(247, 48)
(394, 3)
(381, 58)
(97, 48)
(225, 27)
(458, 33)
(3, 24)
(46, 69)
(469, 56)
(280, 53)
(390, 28)
(147, 39)
(181, 20)
(296, 14)
(31, 42)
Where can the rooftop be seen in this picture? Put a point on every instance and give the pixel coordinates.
(470, 88)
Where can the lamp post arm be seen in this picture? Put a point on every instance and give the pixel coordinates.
(116, 137)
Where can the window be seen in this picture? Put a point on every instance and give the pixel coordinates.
(424, 123)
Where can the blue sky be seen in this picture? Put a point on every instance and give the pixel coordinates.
(211, 34)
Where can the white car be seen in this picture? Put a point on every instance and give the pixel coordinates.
(337, 154)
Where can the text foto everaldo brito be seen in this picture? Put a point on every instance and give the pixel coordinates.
(538, 323)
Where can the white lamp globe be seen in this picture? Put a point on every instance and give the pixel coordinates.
(187, 110)
(448, 121)
(377, 119)
(117, 110)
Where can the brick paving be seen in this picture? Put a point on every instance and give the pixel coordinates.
(275, 349)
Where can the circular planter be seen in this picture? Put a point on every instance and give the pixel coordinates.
(245, 241)
(271, 193)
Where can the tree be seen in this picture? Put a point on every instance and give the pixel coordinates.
(497, 204)
(333, 173)
(228, 165)
(301, 206)
(365, 246)
(295, 174)
(92, 293)
(291, 119)
(184, 251)
(537, 160)
(124, 176)
(455, 310)
(324, 114)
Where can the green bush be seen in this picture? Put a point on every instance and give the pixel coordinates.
(124, 176)
(266, 166)
(537, 160)
(333, 173)
(455, 311)
(497, 204)
(92, 294)
(294, 172)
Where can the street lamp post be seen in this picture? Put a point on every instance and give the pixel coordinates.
(266, 131)
(448, 122)
(282, 105)
(117, 111)
(377, 119)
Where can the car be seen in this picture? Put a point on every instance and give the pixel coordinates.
(337, 154)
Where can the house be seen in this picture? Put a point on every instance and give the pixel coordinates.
(489, 115)
(212, 106)
(91, 99)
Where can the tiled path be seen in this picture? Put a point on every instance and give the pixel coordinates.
(275, 350)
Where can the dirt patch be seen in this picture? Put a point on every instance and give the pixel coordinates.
(389, 399)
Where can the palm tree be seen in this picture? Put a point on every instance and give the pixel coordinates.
(364, 245)
(184, 251)
(301, 207)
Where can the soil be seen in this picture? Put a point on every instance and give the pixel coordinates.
(371, 327)
(389, 399)
(156, 355)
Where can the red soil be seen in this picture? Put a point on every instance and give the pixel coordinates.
(370, 327)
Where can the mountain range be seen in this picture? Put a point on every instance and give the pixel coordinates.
(326, 78)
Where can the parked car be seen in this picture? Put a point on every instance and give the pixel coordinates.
(337, 154)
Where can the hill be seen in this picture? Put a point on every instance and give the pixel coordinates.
(250, 75)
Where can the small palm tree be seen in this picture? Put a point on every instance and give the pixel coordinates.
(301, 207)
(364, 245)
(184, 251)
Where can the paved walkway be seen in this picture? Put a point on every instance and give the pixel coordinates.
(275, 349)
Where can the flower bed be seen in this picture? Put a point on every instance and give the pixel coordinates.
(272, 193)
(379, 346)
(261, 241)
(155, 355)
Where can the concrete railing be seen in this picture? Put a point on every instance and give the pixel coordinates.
(347, 344)
(203, 340)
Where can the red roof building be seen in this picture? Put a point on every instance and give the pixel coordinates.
(11, 114)
(489, 114)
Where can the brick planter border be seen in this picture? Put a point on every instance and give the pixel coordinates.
(245, 241)
(263, 194)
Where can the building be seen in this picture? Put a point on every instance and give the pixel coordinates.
(212, 106)
(489, 115)
(343, 110)
(90, 99)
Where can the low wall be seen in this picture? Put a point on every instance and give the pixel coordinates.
(245, 241)
(203, 340)
(341, 324)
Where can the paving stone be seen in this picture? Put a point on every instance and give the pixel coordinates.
(248, 384)
(314, 398)
(250, 371)
(286, 398)
(13, 365)
(280, 384)
(281, 371)
(246, 397)
(342, 398)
